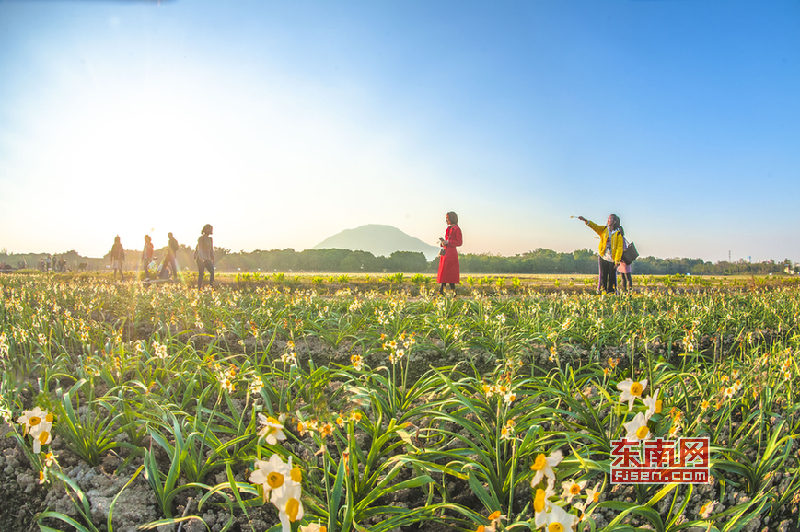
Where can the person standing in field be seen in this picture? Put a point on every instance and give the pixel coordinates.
(609, 251)
(624, 269)
(147, 255)
(172, 255)
(448, 255)
(204, 255)
(117, 255)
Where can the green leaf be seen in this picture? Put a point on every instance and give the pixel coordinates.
(489, 500)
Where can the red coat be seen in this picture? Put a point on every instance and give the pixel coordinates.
(448, 263)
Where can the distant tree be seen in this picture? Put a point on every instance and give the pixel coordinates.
(407, 261)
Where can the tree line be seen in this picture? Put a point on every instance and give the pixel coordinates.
(344, 260)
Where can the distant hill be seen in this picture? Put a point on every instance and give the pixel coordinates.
(380, 240)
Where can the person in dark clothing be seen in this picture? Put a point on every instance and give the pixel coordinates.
(117, 255)
(172, 255)
(147, 255)
(204, 255)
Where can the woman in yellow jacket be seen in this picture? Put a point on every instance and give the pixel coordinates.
(610, 251)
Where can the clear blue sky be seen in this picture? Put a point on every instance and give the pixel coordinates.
(284, 122)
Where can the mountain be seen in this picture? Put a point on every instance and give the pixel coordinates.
(378, 240)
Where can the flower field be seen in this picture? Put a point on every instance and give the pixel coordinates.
(259, 407)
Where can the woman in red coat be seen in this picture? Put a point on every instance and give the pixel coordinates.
(448, 256)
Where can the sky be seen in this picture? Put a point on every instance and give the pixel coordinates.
(283, 122)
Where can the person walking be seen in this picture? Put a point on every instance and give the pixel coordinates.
(448, 256)
(117, 255)
(172, 255)
(204, 255)
(609, 251)
(147, 255)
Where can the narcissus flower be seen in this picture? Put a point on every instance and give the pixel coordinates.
(543, 465)
(728, 392)
(508, 431)
(706, 509)
(631, 390)
(271, 429)
(255, 385)
(592, 496)
(559, 520)
(41, 437)
(314, 527)
(570, 488)
(287, 500)
(35, 420)
(542, 504)
(653, 404)
(226, 384)
(637, 429)
(271, 474)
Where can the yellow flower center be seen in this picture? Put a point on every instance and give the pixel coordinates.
(659, 404)
(540, 462)
(596, 497)
(43, 437)
(636, 389)
(49, 418)
(296, 474)
(575, 489)
(642, 432)
(555, 527)
(33, 421)
(494, 515)
(275, 480)
(539, 500)
(292, 508)
(480, 529)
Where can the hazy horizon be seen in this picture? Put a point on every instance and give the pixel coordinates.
(139, 248)
(283, 123)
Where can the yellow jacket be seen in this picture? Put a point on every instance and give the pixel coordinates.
(616, 240)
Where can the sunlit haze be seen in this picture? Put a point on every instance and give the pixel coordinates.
(282, 123)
